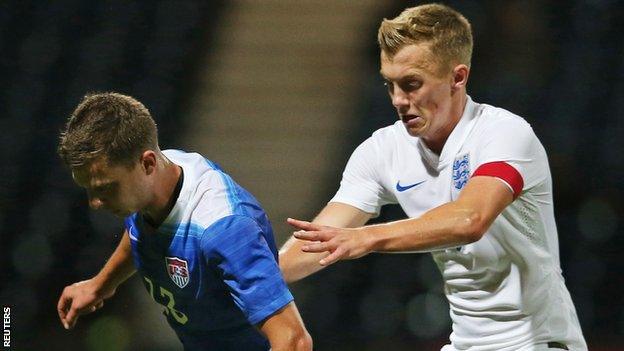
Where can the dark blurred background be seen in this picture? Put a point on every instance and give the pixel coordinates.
(279, 93)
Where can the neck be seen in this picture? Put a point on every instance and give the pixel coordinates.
(437, 141)
(164, 189)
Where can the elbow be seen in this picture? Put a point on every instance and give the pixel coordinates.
(297, 341)
(472, 227)
(303, 342)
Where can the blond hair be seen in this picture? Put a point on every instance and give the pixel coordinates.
(110, 125)
(447, 32)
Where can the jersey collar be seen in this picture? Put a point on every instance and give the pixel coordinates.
(454, 141)
(175, 215)
(459, 134)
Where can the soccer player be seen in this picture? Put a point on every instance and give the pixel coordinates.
(202, 244)
(475, 183)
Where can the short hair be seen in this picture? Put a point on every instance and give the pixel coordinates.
(110, 125)
(447, 31)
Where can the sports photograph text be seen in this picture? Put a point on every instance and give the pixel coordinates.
(6, 327)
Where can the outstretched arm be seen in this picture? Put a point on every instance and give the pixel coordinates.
(285, 330)
(456, 223)
(88, 295)
(294, 263)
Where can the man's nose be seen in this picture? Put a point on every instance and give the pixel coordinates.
(399, 98)
(95, 203)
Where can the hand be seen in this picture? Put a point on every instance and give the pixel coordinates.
(80, 298)
(341, 243)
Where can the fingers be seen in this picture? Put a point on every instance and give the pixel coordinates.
(316, 247)
(71, 318)
(332, 258)
(70, 307)
(65, 309)
(319, 239)
(94, 307)
(62, 306)
(308, 236)
(305, 225)
(337, 253)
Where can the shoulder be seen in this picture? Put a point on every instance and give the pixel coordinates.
(234, 222)
(192, 162)
(231, 232)
(383, 140)
(212, 198)
(207, 192)
(499, 121)
(390, 132)
(503, 135)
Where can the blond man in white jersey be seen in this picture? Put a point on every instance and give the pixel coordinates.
(475, 182)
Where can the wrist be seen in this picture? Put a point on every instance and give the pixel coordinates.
(369, 238)
(103, 285)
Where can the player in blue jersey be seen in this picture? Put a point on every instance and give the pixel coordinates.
(202, 245)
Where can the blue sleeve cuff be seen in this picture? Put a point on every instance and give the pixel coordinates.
(270, 309)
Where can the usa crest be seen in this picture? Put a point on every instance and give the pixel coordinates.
(178, 271)
(461, 171)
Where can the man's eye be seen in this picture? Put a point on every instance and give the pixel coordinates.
(412, 85)
(105, 189)
(389, 86)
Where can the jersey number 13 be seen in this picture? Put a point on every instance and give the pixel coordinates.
(169, 304)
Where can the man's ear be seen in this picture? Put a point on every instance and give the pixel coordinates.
(148, 161)
(460, 77)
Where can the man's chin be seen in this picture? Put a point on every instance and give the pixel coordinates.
(120, 214)
(415, 132)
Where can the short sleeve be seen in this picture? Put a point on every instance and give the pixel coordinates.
(237, 247)
(510, 151)
(361, 185)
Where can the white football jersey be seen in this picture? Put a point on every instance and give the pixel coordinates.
(505, 291)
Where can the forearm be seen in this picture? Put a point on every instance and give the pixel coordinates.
(294, 265)
(118, 268)
(291, 340)
(89, 295)
(447, 226)
(453, 224)
(285, 330)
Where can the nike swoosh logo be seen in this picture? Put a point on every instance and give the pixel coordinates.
(401, 188)
(132, 237)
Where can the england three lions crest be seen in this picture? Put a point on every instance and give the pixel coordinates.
(461, 171)
(178, 271)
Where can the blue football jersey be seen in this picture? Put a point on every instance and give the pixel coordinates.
(212, 263)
